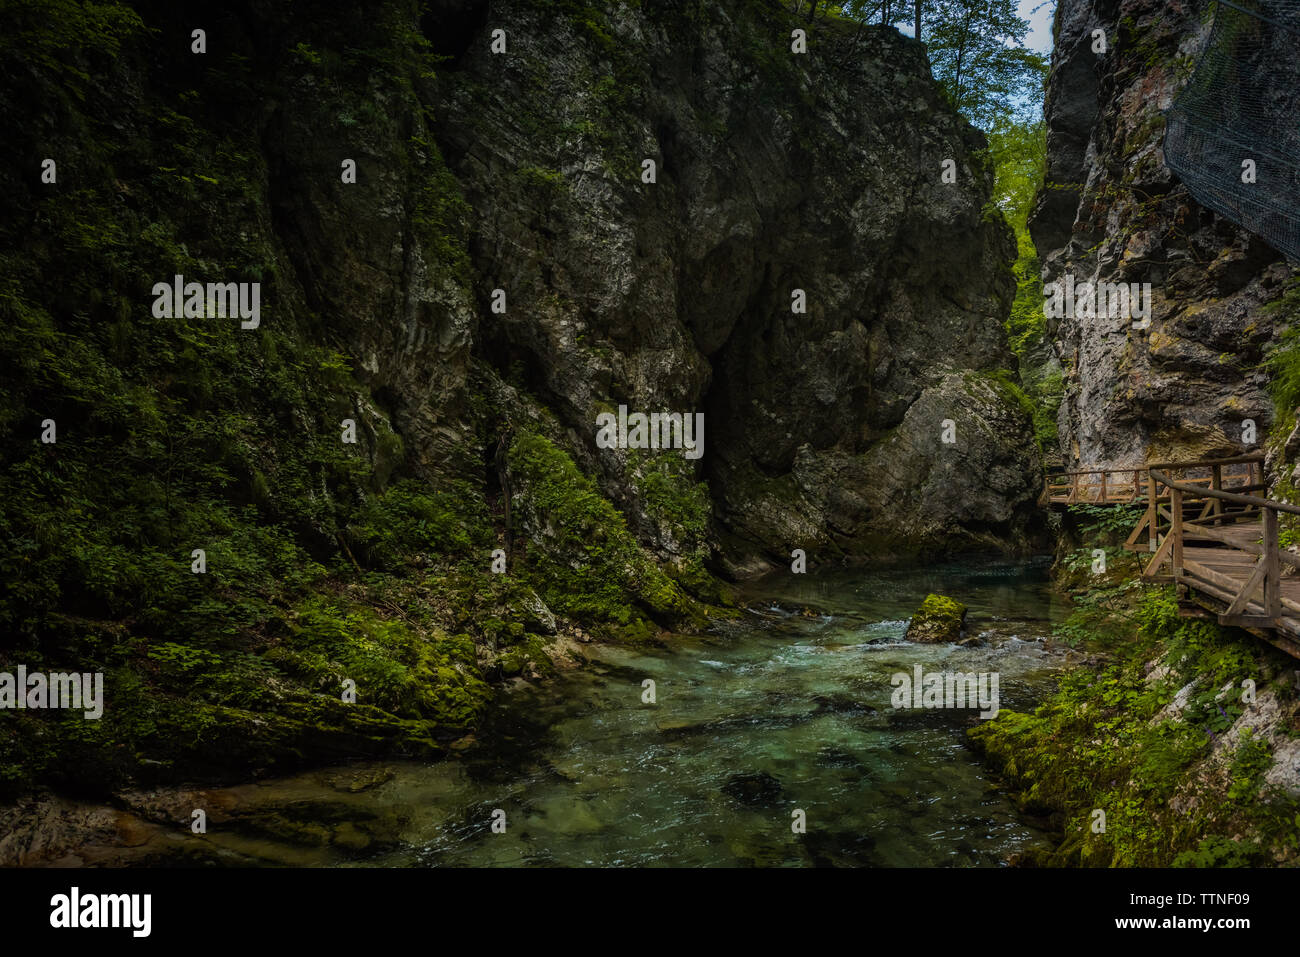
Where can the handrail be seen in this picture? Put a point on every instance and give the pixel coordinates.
(1114, 471)
(1202, 492)
(1191, 552)
(1206, 463)
(1197, 464)
(1129, 485)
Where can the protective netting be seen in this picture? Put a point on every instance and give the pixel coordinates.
(1243, 103)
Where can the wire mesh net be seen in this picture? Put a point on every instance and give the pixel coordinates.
(1243, 103)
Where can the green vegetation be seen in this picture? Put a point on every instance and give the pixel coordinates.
(1004, 381)
(939, 618)
(69, 40)
(325, 563)
(978, 53)
(586, 560)
(1018, 150)
(1284, 361)
(1101, 594)
(1150, 740)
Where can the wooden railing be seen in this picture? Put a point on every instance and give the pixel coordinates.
(1095, 486)
(1224, 545)
(1248, 470)
(1129, 485)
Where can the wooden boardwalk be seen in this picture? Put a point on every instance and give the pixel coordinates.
(1133, 485)
(1209, 535)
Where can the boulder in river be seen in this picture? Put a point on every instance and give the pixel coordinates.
(938, 619)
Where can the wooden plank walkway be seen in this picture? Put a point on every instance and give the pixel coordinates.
(1220, 547)
(1209, 535)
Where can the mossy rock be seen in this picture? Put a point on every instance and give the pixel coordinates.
(938, 619)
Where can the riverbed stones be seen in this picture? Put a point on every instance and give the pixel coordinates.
(938, 619)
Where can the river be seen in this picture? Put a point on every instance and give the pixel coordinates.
(785, 710)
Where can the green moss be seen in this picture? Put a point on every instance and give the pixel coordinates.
(177, 434)
(1102, 742)
(939, 618)
(673, 497)
(441, 214)
(586, 561)
(528, 656)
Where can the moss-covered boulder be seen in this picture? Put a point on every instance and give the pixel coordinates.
(938, 619)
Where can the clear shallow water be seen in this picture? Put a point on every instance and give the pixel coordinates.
(786, 708)
(786, 696)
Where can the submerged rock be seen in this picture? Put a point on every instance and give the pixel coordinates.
(938, 619)
(756, 789)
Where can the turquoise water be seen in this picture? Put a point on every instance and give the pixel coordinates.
(787, 709)
(783, 710)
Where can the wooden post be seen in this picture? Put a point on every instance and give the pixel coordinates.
(1074, 488)
(1176, 529)
(1103, 488)
(1152, 515)
(1272, 582)
(1216, 483)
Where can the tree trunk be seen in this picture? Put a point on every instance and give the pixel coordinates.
(961, 55)
(917, 8)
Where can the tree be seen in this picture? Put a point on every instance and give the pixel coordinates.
(1019, 152)
(977, 51)
(886, 12)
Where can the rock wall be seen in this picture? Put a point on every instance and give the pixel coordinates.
(1113, 212)
(775, 172)
(474, 530)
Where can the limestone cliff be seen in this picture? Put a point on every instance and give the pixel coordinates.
(1112, 212)
(775, 172)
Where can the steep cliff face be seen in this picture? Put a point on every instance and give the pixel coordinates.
(875, 422)
(1113, 213)
(775, 172)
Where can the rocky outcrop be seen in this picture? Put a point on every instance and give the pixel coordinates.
(1112, 212)
(776, 175)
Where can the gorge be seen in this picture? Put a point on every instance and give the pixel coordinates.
(479, 240)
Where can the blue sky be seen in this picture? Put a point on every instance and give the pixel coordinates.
(1040, 23)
